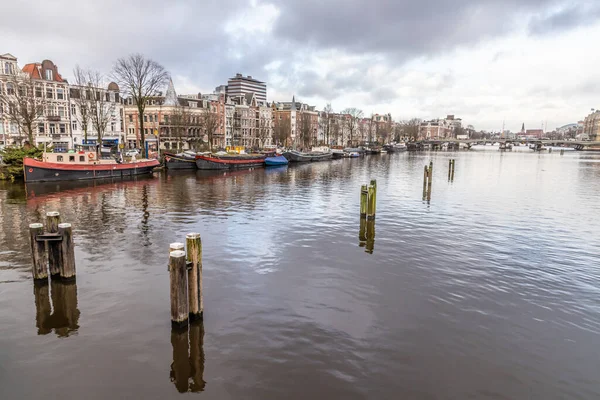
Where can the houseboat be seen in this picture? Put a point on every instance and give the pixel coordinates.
(237, 161)
(81, 165)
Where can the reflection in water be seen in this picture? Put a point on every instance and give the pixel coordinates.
(187, 368)
(64, 319)
(366, 235)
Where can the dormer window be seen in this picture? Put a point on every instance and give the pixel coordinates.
(49, 75)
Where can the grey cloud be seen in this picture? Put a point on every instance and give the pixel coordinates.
(402, 28)
(566, 18)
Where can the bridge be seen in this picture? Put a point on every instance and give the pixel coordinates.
(578, 145)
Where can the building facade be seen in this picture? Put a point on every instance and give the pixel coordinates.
(241, 85)
(591, 126)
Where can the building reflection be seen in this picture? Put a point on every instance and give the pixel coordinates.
(187, 368)
(61, 314)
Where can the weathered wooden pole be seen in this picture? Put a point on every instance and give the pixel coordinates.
(38, 253)
(180, 367)
(54, 261)
(194, 256)
(425, 175)
(178, 288)
(364, 199)
(374, 201)
(371, 203)
(67, 253)
(449, 168)
(197, 356)
(453, 165)
(429, 180)
(176, 246)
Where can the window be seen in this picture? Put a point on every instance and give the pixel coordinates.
(145, 118)
(131, 131)
(10, 89)
(73, 109)
(130, 118)
(74, 125)
(59, 158)
(63, 128)
(112, 126)
(52, 129)
(61, 112)
(49, 93)
(41, 128)
(60, 94)
(71, 158)
(81, 158)
(166, 119)
(38, 91)
(49, 75)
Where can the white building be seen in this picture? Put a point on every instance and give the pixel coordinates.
(241, 85)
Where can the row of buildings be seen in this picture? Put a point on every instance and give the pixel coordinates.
(236, 114)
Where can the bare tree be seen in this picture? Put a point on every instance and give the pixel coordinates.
(305, 130)
(411, 128)
(363, 129)
(352, 117)
(81, 98)
(180, 122)
(140, 78)
(210, 123)
(264, 130)
(23, 104)
(326, 121)
(336, 130)
(282, 131)
(101, 107)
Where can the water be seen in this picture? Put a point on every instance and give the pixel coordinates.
(489, 291)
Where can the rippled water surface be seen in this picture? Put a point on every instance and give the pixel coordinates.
(489, 291)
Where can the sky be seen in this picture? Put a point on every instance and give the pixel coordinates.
(489, 62)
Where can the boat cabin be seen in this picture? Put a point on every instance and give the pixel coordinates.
(83, 154)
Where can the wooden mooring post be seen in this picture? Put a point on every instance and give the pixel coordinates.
(425, 176)
(453, 165)
(429, 180)
(53, 251)
(372, 200)
(52, 221)
(194, 258)
(38, 253)
(178, 288)
(364, 196)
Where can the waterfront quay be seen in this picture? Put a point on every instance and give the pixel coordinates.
(485, 288)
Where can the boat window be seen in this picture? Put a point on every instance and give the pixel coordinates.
(59, 158)
(82, 158)
(71, 158)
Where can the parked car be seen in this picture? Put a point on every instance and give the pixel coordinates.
(132, 152)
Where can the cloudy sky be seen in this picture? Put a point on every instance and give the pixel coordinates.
(487, 61)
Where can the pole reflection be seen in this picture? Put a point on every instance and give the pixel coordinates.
(60, 315)
(187, 368)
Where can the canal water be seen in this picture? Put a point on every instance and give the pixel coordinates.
(491, 290)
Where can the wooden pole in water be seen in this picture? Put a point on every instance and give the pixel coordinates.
(371, 203)
(425, 175)
(364, 199)
(429, 180)
(453, 165)
(194, 255)
(374, 201)
(67, 253)
(38, 253)
(54, 261)
(449, 168)
(176, 246)
(178, 281)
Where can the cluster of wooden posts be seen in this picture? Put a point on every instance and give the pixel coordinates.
(451, 163)
(185, 273)
(52, 251)
(368, 205)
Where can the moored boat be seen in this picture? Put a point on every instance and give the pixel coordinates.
(398, 147)
(240, 161)
(353, 154)
(276, 161)
(185, 160)
(297, 156)
(80, 166)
